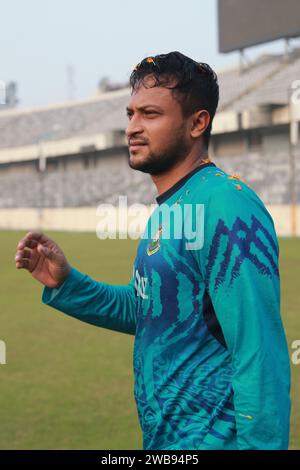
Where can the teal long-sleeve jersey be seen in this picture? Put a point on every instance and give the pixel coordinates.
(211, 362)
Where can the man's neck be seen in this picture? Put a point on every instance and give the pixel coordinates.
(165, 181)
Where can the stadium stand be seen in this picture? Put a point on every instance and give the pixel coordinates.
(75, 189)
(86, 154)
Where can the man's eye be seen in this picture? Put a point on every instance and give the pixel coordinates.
(150, 112)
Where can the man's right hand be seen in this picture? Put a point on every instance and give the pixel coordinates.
(43, 258)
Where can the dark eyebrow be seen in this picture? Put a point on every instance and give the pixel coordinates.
(143, 108)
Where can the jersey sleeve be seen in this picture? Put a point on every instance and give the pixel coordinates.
(239, 264)
(97, 303)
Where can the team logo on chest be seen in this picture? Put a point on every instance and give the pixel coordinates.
(154, 245)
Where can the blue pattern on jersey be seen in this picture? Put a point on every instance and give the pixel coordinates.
(243, 237)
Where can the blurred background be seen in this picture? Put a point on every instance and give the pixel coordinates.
(64, 74)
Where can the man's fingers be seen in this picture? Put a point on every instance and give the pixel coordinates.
(40, 237)
(27, 243)
(32, 239)
(25, 253)
(22, 264)
(29, 248)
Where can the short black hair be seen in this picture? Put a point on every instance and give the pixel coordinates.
(196, 84)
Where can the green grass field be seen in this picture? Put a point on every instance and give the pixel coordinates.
(69, 385)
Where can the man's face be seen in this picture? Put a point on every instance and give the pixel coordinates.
(157, 133)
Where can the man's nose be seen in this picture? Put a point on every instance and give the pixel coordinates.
(134, 127)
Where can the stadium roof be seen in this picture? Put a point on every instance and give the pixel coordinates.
(21, 127)
(266, 81)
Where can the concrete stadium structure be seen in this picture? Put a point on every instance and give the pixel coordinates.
(58, 163)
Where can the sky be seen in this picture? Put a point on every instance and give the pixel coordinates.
(40, 40)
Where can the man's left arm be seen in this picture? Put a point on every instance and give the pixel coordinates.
(239, 262)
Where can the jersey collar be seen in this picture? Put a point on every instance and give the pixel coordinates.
(164, 196)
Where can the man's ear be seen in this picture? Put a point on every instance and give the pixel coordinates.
(200, 122)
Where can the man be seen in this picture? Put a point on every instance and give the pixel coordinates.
(210, 357)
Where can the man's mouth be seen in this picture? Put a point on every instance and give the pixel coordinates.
(136, 146)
